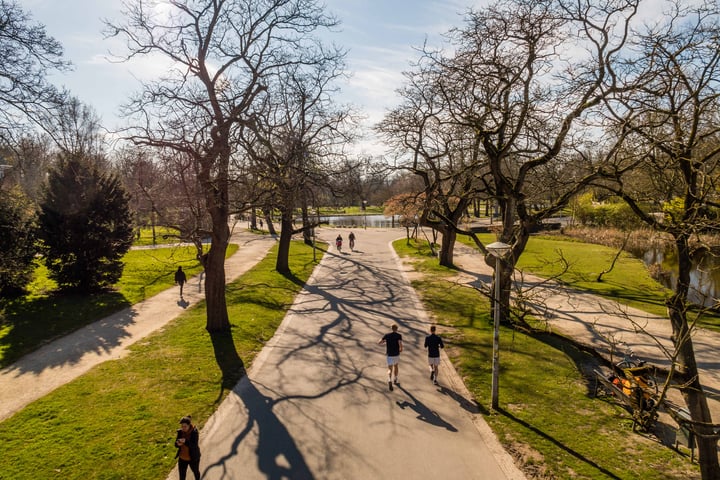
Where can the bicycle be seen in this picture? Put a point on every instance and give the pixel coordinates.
(638, 371)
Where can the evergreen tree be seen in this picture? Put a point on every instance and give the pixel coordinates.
(17, 243)
(85, 225)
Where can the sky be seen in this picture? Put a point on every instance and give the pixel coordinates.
(381, 36)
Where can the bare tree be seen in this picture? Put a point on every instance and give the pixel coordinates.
(527, 77)
(670, 111)
(31, 157)
(27, 55)
(443, 154)
(223, 56)
(296, 141)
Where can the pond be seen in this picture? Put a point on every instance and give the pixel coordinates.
(360, 221)
(704, 277)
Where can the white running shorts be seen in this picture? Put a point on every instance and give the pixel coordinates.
(433, 360)
(393, 361)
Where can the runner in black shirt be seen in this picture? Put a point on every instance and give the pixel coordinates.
(433, 343)
(394, 345)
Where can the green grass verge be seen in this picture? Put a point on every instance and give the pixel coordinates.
(548, 418)
(163, 235)
(118, 421)
(43, 315)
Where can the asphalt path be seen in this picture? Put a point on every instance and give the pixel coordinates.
(316, 403)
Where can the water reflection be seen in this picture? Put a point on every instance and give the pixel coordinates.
(359, 221)
(704, 276)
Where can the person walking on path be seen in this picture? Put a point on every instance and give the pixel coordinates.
(188, 445)
(351, 239)
(180, 279)
(393, 344)
(433, 343)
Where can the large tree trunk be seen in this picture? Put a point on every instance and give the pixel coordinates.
(282, 264)
(447, 247)
(217, 315)
(213, 176)
(691, 388)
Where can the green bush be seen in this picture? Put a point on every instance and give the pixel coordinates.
(17, 243)
(613, 213)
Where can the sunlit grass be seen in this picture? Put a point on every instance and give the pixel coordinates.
(44, 314)
(163, 235)
(118, 421)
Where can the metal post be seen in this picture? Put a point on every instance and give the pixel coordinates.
(496, 339)
(497, 250)
(364, 202)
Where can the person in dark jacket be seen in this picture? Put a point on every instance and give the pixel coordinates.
(188, 445)
(433, 343)
(394, 345)
(180, 279)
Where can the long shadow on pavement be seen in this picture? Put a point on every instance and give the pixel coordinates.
(424, 413)
(67, 349)
(278, 456)
(274, 440)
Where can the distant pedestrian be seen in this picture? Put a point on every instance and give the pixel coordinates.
(433, 343)
(351, 239)
(180, 279)
(188, 445)
(338, 243)
(394, 345)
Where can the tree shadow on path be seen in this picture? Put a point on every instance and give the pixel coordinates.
(274, 442)
(228, 359)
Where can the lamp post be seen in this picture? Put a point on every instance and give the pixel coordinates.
(364, 207)
(497, 250)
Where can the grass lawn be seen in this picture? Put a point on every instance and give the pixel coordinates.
(548, 418)
(628, 283)
(118, 421)
(163, 235)
(28, 322)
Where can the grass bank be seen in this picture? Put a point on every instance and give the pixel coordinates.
(118, 421)
(43, 315)
(549, 419)
(629, 282)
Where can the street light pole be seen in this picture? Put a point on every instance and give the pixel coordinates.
(364, 203)
(497, 250)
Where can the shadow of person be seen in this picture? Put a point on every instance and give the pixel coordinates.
(469, 405)
(424, 413)
(182, 303)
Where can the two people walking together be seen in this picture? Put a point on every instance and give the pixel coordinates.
(394, 346)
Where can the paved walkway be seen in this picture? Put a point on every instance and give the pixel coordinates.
(59, 362)
(316, 404)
